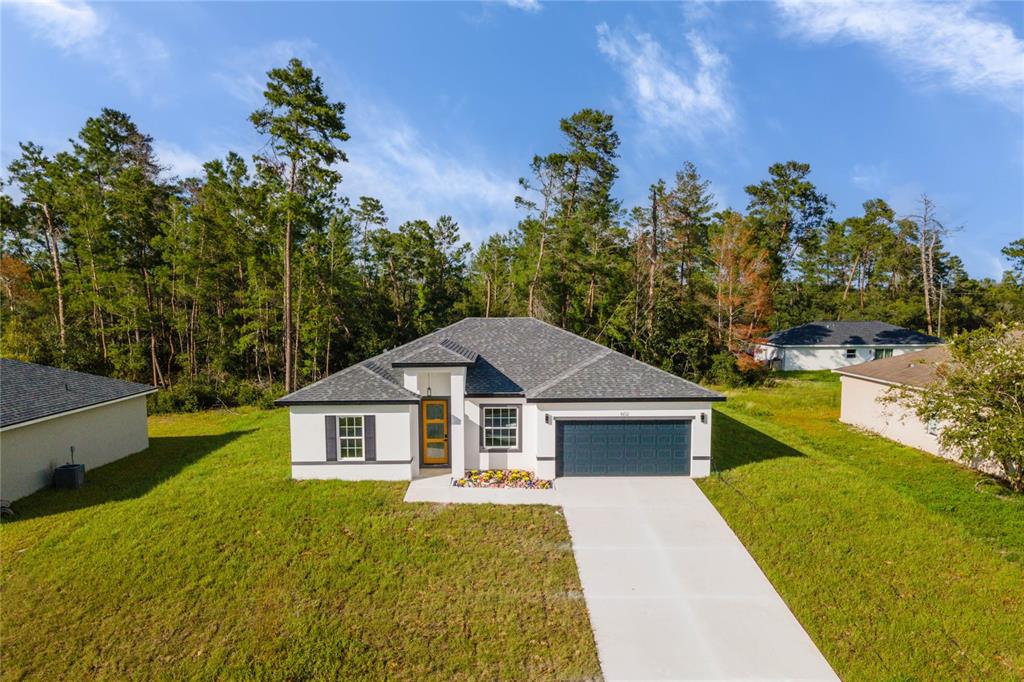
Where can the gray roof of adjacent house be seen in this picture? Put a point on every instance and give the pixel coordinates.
(511, 356)
(850, 333)
(29, 392)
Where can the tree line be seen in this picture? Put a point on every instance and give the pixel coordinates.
(260, 275)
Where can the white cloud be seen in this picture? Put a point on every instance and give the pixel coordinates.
(390, 160)
(130, 53)
(952, 41)
(388, 157)
(688, 99)
(870, 177)
(244, 76)
(525, 5)
(65, 24)
(181, 162)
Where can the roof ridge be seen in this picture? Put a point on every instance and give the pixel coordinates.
(453, 345)
(428, 335)
(586, 362)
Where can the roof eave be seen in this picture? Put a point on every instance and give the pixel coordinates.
(285, 402)
(633, 399)
(36, 420)
(400, 364)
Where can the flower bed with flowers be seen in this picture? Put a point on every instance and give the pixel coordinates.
(501, 478)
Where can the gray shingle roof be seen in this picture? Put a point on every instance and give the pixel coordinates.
(515, 356)
(850, 333)
(29, 391)
(367, 382)
(445, 353)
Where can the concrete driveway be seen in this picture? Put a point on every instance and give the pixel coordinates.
(672, 593)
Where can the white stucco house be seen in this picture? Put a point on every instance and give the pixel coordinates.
(495, 393)
(839, 343)
(46, 411)
(864, 386)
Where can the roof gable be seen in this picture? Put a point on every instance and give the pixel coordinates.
(29, 392)
(443, 353)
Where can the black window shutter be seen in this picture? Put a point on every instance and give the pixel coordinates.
(370, 437)
(331, 429)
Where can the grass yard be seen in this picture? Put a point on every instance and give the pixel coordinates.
(201, 559)
(900, 565)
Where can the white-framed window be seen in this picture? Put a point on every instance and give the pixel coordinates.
(883, 353)
(501, 427)
(851, 353)
(350, 437)
(932, 427)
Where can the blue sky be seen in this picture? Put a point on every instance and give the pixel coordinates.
(447, 103)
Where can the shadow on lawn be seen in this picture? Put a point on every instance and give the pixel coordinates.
(126, 478)
(735, 444)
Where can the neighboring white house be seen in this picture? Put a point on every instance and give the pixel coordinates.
(833, 344)
(494, 393)
(864, 387)
(45, 412)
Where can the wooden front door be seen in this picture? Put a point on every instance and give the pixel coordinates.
(434, 418)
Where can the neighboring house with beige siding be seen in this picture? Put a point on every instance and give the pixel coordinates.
(46, 411)
(865, 386)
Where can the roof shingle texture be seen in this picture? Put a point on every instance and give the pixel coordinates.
(29, 391)
(443, 352)
(910, 369)
(519, 356)
(849, 333)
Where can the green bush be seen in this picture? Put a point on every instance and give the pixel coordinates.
(202, 394)
(724, 371)
(732, 371)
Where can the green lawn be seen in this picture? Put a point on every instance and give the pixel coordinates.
(900, 565)
(201, 559)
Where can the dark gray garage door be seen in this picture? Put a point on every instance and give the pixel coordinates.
(622, 448)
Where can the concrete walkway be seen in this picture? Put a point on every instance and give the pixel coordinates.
(672, 593)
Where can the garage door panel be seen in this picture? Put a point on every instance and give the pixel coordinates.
(623, 447)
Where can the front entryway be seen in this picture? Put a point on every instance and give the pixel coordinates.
(434, 420)
(622, 448)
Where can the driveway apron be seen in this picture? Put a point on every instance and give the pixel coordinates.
(672, 593)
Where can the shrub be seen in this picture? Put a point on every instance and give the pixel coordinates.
(202, 394)
(977, 399)
(730, 370)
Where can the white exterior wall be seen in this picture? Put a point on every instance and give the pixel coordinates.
(397, 431)
(457, 423)
(862, 407)
(397, 440)
(824, 357)
(700, 434)
(99, 435)
(479, 458)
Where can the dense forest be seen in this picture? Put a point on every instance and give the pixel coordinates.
(261, 275)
